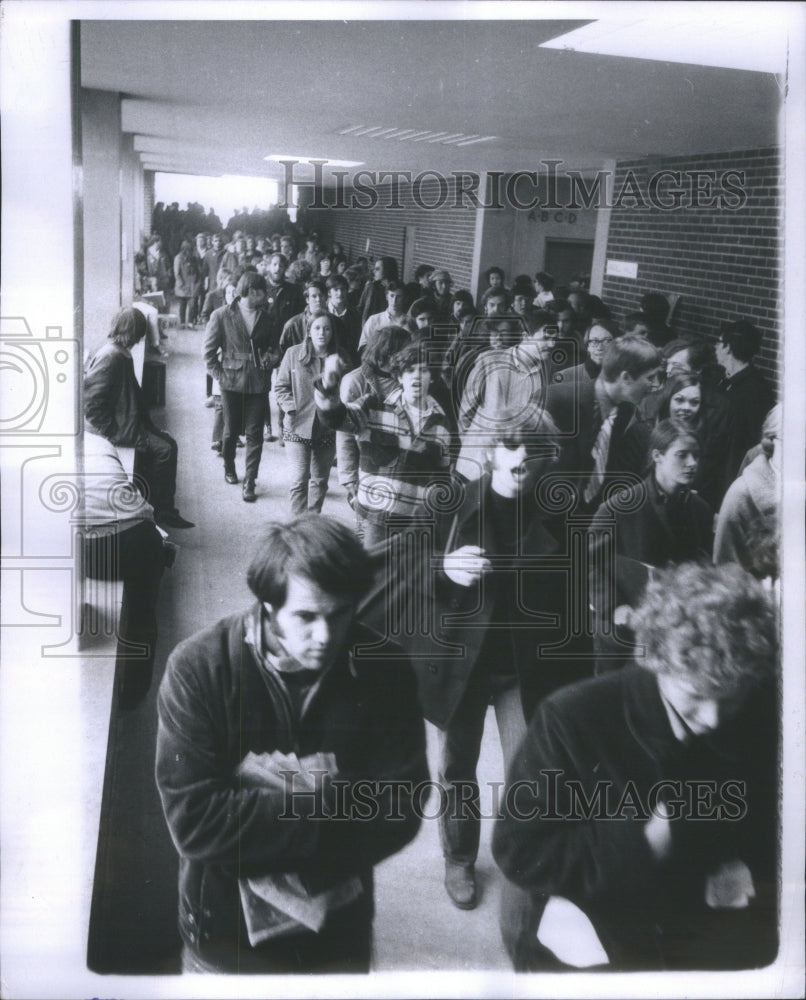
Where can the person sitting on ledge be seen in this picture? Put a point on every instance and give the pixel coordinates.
(114, 407)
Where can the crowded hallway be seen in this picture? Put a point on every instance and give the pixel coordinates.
(405, 589)
(133, 908)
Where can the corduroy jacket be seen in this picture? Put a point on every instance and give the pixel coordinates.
(216, 704)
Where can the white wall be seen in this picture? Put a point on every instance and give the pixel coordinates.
(101, 156)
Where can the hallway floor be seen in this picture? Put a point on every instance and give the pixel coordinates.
(132, 929)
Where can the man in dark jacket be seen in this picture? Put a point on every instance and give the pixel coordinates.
(603, 435)
(239, 353)
(287, 759)
(498, 607)
(749, 394)
(647, 798)
(114, 407)
(283, 301)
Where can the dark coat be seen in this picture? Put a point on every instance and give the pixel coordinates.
(284, 301)
(246, 360)
(215, 704)
(610, 734)
(751, 399)
(347, 328)
(373, 299)
(449, 623)
(642, 532)
(571, 405)
(113, 400)
(186, 274)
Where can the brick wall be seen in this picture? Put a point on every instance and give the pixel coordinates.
(443, 236)
(724, 263)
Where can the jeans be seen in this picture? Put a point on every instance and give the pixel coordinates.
(244, 413)
(155, 464)
(218, 420)
(187, 309)
(310, 470)
(459, 746)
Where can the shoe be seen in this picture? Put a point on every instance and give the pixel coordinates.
(216, 447)
(209, 402)
(173, 519)
(460, 884)
(231, 477)
(268, 436)
(249, 494)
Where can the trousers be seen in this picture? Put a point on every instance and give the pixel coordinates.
(244, 413)
(459, 747)
(155, 464)
(310, 464)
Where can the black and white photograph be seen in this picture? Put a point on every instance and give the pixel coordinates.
(402, 437)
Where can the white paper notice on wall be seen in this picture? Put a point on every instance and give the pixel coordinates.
(622, 269)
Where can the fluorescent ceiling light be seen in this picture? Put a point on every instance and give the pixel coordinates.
(700, 35)
(278, 158)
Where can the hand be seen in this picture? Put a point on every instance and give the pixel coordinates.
(658, 832)
(623, 615)
(466, 566)
(332, 371)
(730, 887)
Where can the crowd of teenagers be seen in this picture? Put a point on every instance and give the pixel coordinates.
(572, 519)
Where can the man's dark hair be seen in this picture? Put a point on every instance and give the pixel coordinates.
(413, 354)
(495, 270)
(542, 318)
(250, 280)
(700, 353)
(384, 343)
(317, 283)
(420, 306)
(605, 324)
(464, 296)
(532, 426)
(634, 319)
(315, 547)
(394, 286)
(557, 306)
(675, 346)
(271, 254)
(742, 339)
(522, 285)
(655, 307)
(128, 327)
(546, 280)
(422, 271)
(597, 309)
(633, 355)
(498, 293)
(337, 281)
(389, 266)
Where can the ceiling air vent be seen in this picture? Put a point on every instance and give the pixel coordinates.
(414, 135)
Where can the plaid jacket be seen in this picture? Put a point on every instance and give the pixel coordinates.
(397, 464)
